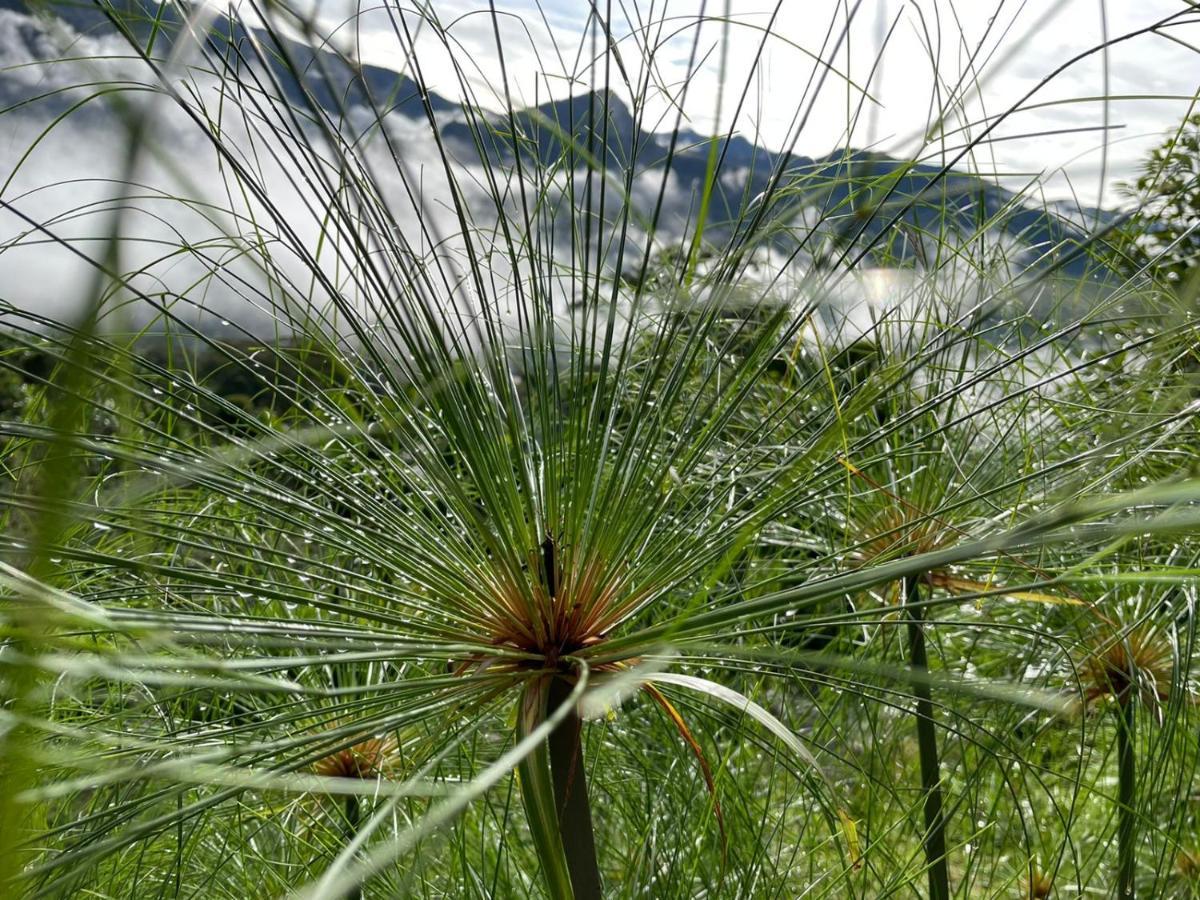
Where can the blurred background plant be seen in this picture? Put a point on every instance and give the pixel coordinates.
(1164, 230)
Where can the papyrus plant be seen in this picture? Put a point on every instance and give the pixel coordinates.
(517, 481)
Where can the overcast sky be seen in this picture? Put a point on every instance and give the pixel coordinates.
(916, 60)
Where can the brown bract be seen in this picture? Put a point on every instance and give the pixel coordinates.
(1187, 864)
(1040, 885)
(570, 604)
(366, 760)
(896, 534)
(1122, 665)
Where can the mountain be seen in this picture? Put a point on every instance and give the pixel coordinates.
(858, 196)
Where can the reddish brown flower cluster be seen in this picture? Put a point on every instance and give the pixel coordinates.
(366, 760)
(1187, 864)
(1126, 664)
(1040, 885)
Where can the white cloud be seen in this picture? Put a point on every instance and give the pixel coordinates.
(68, 182)
(965, 62)
(193, 235)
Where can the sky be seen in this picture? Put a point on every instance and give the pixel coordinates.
(893, 69)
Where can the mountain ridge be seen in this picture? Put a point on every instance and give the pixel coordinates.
(857, 195)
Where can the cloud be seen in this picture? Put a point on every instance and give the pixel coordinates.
(252, 248)
(967, 63)
(242, 233)
(221, 248)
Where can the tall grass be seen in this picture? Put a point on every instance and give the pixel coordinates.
(558, 538)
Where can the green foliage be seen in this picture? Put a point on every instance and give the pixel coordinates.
(1165, 238)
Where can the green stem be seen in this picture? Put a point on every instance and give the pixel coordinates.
(927, 747)
(1126, 797)
(353, 814)
(537, 793)
(571, 797)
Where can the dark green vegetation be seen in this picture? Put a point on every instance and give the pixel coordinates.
(543, 550)
(1164, 239)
